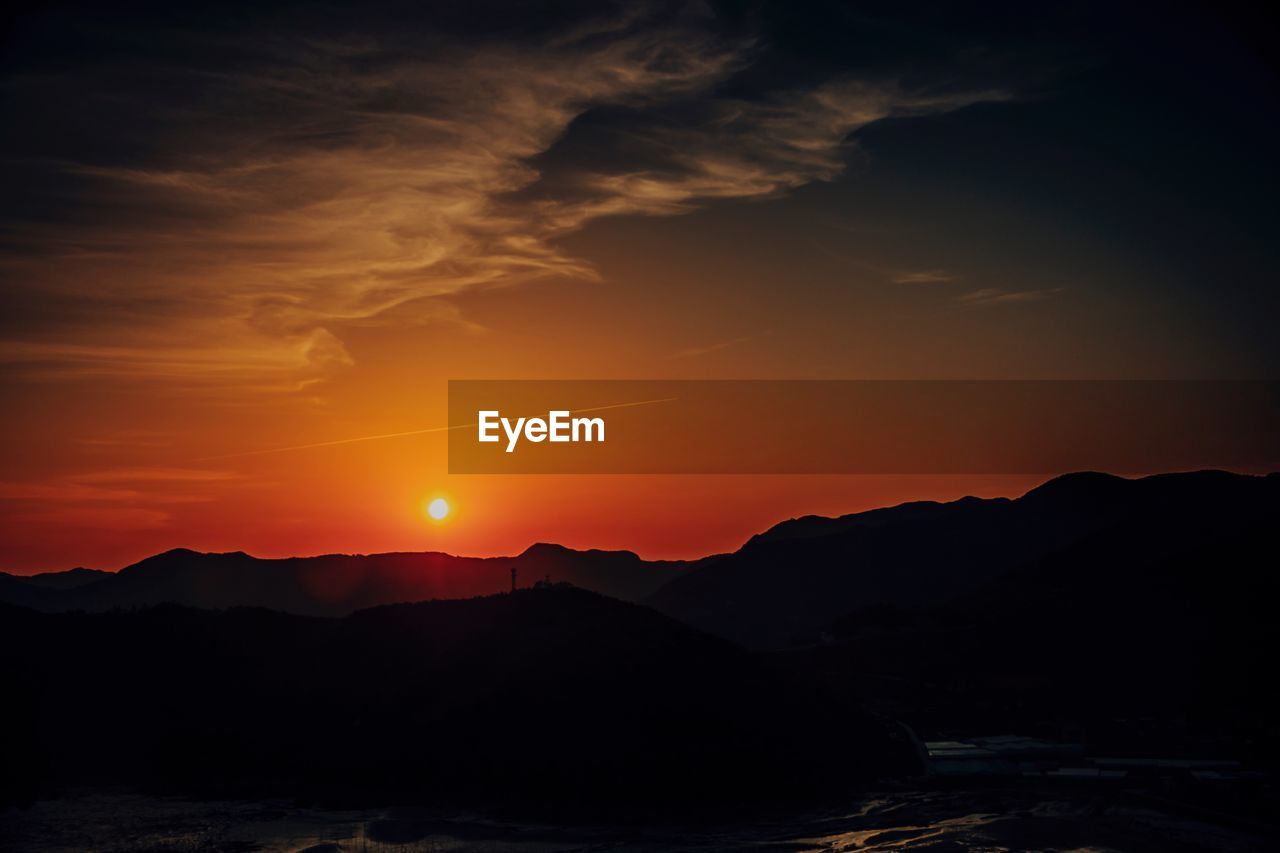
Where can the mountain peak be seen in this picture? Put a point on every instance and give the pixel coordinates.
(183, 557)
(552, 549)
(1092, 487)
(1078, 486)
(545, 548)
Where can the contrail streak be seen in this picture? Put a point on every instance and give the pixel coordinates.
(338, 441)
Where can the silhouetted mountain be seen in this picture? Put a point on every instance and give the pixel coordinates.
(70, 579)
(552, 698)
(787, 585)
(335, 584)
(1151, 637)
(1133, 615)
(15, 590)
(813, 526)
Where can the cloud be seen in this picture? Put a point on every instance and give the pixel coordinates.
(155, 474)
(117, 485)
(996, 296)
(694, 352)
(738, 149)
(115, 519)
(312, 184)
(250, 360)
(127, 438)
(922, 277)
(63, 491)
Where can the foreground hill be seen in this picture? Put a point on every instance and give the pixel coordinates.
(789, 585)
(1141, 640)
(330, 585)
(552, 698)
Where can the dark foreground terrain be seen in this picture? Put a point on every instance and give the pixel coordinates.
(1089, 666)
(552, 700)
(940, 821)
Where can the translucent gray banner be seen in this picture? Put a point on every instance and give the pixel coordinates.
(860, 426)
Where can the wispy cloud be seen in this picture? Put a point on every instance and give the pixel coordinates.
(922, 277)
(153, 474)
(126, 439)
(891, 273)
(63, 491)
(113, 518)
(707, 349)
(996, 296)
(118, 485)
(320, 184)
(735, 149)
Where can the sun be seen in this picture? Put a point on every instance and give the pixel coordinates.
(438, 509)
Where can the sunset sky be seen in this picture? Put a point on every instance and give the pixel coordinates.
(229, 232)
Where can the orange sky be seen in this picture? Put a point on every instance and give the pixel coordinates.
(226, 241)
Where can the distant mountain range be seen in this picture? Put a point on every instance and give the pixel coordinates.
(1150, 633)
(331, 585)
(1133, 615)
(787, 586)
(790, 585)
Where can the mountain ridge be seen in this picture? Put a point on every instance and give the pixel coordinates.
(791, 582)
(336, 584)
(781, 586)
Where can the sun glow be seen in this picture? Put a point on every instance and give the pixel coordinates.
(438, 509)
